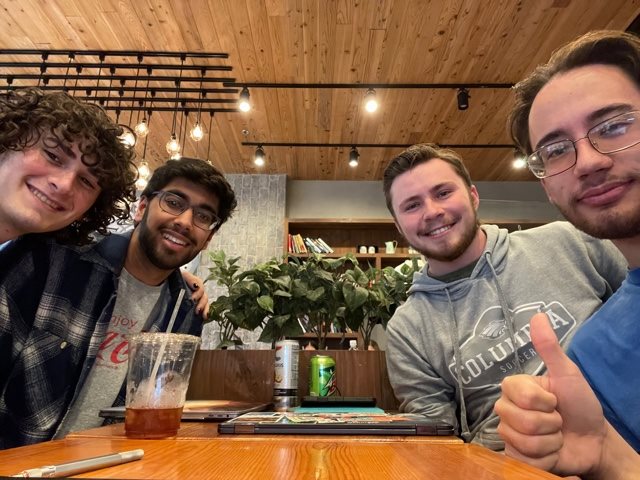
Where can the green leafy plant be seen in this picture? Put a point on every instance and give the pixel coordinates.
(286, 299)
(371, 296)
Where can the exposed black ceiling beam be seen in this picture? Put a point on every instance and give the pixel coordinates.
(108, 76)
(115, 53)
(93, 88)
(370, 85)
(375, 145)
(117, 66)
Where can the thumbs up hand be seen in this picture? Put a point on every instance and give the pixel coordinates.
(553, 422)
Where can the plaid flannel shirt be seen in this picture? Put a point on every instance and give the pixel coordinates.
(56, 302)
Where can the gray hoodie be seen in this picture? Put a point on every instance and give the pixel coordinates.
(451, 344)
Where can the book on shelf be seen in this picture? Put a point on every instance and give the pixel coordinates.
(297, 244)
(311, 246)
(324, 245)
(300, 243)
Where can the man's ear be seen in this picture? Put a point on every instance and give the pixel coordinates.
(142, 206)
(475, 197)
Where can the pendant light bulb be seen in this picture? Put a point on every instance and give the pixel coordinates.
(197, 132)
(142, 128)
(173, 145)
(143, 170)
(128, 138)
(141, 183)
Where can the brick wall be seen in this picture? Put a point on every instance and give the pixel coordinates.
(254, 233)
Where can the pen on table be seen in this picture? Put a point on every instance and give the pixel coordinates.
(85, 465)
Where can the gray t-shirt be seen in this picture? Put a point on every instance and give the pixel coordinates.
(134, 303)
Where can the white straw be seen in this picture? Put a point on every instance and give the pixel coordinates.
(156, 366)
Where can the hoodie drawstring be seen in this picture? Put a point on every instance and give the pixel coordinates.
(508, 318)
(453, 332)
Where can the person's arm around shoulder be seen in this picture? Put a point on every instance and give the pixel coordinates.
(555, 422)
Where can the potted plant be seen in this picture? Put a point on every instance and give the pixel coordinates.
(371, 296)
(285, 299)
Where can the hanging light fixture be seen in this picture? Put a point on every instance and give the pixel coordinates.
(243, 102)
(370, 101)
(209, 145)
(173, 145)
(127, 137)
(142, 128)
(144, 172)
(197, 132)
(259, 157)
(353, 157)
(463, 99)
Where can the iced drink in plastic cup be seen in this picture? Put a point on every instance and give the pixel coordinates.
(156, 390)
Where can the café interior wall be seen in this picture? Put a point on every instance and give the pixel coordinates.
(499, 201)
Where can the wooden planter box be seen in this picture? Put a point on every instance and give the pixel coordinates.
(248, 375)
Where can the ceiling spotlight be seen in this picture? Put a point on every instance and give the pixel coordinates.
(142, 128)
(370, 101)
(173, 145)
(519, 161)
(197, 132)
(258, 159)
(353, 157)
(463, 99)
(243, 102)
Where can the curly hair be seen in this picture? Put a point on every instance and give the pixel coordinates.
(26, 115)
(201, 173)
(604, 47)
(416, 155)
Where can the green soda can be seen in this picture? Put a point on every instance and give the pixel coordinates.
(322, 376)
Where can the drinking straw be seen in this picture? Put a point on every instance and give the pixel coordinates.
(163, 346)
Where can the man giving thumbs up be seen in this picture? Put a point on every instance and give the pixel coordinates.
(555, 422)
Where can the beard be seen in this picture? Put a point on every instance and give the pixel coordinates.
(456, 250)
(612, 224)
(159, 257)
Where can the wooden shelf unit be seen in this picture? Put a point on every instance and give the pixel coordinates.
(344, 235)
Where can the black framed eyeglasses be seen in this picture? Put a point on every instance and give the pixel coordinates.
(610, 136)
(176, 205)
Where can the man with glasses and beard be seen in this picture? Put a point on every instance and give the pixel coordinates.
(578, 119)
(465, 325)
(64, 326)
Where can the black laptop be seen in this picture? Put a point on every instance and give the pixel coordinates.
(316, 423)
(203, 410)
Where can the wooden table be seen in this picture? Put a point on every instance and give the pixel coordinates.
(203, 430)
(195, 455)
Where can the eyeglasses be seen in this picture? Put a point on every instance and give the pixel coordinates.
(176, 205)
(613, 135)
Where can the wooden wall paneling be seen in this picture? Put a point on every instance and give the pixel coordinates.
(248, 375)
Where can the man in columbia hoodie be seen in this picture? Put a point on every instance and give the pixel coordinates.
(465, 325)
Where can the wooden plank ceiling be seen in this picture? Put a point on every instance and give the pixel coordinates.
(325, 41)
